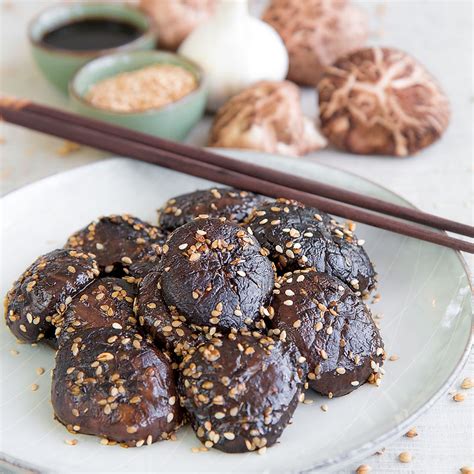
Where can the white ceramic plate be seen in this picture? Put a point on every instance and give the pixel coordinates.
(425, 304)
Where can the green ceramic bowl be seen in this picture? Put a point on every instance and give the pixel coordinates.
(59, 65)
(172, 121)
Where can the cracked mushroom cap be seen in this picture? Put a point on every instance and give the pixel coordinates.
(267, 117)
(316, 33)
(381, 101)
(177, 18)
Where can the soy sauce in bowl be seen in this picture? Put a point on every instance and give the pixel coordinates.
(90, 34)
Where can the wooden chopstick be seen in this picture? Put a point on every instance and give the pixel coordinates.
(12, 112)
(268, 174)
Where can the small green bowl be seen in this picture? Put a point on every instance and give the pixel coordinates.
(59, 65)
(172, 121)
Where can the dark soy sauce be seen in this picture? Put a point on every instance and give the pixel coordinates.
(91, 34)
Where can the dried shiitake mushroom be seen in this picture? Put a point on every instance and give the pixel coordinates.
(381, 101)
(268, 117)
(177, 18)
(316, 33)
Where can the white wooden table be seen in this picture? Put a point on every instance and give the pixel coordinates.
(439, 180)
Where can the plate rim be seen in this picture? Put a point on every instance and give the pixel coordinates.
(355, 453)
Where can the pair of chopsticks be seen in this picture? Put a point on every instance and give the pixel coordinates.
(232, 172)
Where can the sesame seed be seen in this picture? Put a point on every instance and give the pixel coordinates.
(262, 450)
(411, 433)
(288, 303)
(132, 429)
(363, 469)
(241, 273)
(126, 260)
(324, 407)
(459, 397)
(71, 442)
(324, 354)
(279, 248)
(318, 326)
(116, 326)
(297, 324)
(289, 293)
(172, 400)
(13, 352)
(355, 383)
(104, 356)
(467, 383)
(405, 457)
(104, 441)
(170, 417)
(341, 370)
(34, 387)
(228, 435)
(182, 246)
(393, 358)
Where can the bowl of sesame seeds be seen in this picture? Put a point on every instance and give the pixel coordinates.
(154, 92)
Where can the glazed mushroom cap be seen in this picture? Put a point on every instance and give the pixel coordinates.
(177, 18)
(381, 101)
(316, 33)
(119, 241)
(45, 290)
(233, 204)
(332, 328)
(216, 274)
(267, 117)
(240, 392)
(113, 383)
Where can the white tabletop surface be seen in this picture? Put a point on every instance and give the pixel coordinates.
(438, 180)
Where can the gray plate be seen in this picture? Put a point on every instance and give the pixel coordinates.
(426, 309)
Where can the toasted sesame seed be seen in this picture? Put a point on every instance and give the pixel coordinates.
(467, 383)
(393, 357)
(71, 442)
(405, 457)
(34, 387)
(363, 469)
(104, 441)
(466, 470)
(297, 323)
(459, 397)
(412, 433)
(104, 356)
(132, 429)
